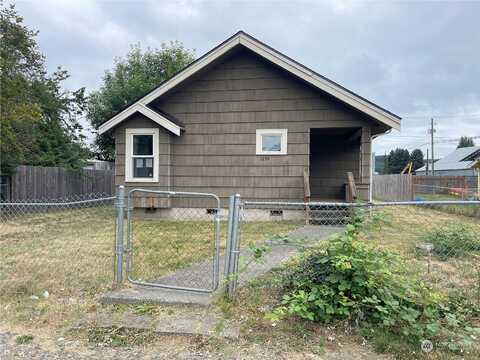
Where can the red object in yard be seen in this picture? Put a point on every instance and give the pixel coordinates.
(457, 191)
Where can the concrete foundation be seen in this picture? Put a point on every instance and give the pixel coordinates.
(207, 214)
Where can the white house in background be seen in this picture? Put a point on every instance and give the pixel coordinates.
(458, 163)
(94, 164)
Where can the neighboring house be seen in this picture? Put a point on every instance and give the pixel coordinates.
(246, 119)
(428, 166)
(458, 163)
(94, 164)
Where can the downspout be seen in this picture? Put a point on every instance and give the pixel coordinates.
(372, 162)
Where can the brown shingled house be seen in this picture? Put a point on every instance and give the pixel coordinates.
(246, 119)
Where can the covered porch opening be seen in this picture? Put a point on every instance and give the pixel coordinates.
(333, 153)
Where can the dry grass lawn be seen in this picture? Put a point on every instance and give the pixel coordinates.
(162, 246)
(407, 226)
(69, 254)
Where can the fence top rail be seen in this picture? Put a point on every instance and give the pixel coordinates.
(62, 203)
(286, 203)
(428, 202)
(442, 177)
(341, 204)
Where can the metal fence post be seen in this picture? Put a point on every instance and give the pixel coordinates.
(226, 269)
(120, 211)
(216, 261)
(233, 246)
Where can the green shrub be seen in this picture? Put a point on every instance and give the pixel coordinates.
(453, 240)
(351, 280)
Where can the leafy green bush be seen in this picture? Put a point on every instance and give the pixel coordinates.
(349, 279)
(453, 240)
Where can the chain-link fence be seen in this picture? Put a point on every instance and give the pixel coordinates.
(60, 252)
(56, 255)
(439, 241)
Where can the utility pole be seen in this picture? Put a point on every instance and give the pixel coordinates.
(432, 131)
(426, 171)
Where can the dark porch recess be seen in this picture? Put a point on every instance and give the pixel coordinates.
(333, 152)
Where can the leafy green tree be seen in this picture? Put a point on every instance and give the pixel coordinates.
(132, 77)
(397, 160)
(38, 119)
(416, 157)
(465, 141)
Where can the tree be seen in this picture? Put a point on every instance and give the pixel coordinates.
(416, 157)
(465, 141)
(396, 161)
(38, 119)
(132, 77)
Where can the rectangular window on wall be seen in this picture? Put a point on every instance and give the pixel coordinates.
(141, 155)
(271, 142)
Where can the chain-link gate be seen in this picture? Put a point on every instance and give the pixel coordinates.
(173, 240)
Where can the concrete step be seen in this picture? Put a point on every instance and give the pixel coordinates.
(134, 294)
(171, 321)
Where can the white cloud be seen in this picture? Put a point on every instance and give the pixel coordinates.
(82, 21)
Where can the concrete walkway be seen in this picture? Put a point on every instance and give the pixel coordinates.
(198, 274)
(191, 313)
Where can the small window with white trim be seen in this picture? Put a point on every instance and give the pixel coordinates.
(271, 142)
(141, 155)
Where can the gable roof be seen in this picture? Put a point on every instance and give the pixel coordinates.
(460, 159)
(291, 66)
(160, 119)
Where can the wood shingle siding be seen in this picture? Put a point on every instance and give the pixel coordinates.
(250, 127)
(220, 111)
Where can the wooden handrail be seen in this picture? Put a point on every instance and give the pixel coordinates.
(351, 189)
(306, 185)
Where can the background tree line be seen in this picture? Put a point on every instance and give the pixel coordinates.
(397, 159)
(41, 123)
(39, 119)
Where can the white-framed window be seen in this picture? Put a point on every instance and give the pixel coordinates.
(141, 155)
(271, 142)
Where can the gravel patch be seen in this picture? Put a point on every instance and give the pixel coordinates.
(171, 348)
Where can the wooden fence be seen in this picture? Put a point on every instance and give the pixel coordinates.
(38, 182)
(398, 187)
(393, 187)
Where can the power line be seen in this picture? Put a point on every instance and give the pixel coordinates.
(405, 136)
(442, 138)
(457, 139)
(416, 144)
(472, 115)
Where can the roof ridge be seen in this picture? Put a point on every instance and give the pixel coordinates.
(296, 69)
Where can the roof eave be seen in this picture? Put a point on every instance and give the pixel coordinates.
(144, 110)
(311, 77)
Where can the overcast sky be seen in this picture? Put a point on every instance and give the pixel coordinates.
(416, 59)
